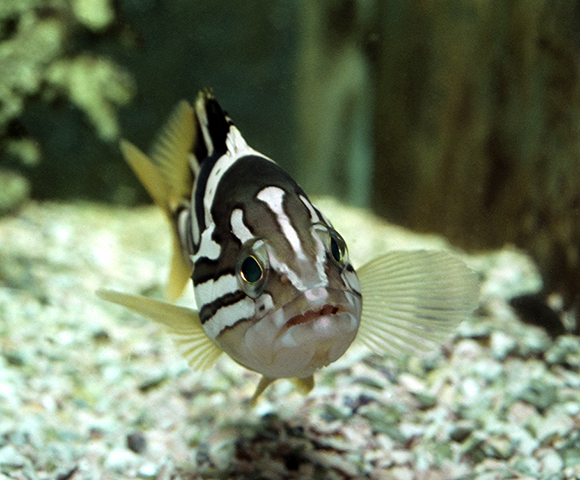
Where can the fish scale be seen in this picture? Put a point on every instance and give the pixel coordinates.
(274, 287)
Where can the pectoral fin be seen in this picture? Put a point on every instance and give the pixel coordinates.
(182, 323)
(412, 300)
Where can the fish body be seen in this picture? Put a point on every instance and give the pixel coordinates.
(273, 282)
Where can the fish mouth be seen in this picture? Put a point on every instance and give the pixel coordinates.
(311, 307)
(309, 316)
(310, 331)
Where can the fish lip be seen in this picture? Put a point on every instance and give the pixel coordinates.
(310, 316)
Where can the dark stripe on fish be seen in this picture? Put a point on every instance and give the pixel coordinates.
(206, 167)
(218, 125)
(205, 269)
(349, 268)
(242, 182)
(210, 309)
(233, 325)
(218, 129)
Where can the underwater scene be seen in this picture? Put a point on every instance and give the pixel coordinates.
(327, 239)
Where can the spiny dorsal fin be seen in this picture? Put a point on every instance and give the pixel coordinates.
(214, 123)
(168, 179)
(182, 323)
(412, 300)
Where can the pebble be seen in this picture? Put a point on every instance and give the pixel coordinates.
(566, 350)
(10, 457)
(136, 442)
(401, 473)
(527, 466)
(502, 345)
(554, 423)
(148, 470)
(470, 388)
(551, 462)
(121, 461)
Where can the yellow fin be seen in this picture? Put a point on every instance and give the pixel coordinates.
(262, 385)
(412, 300)
(179, 271)
(168, 179)
(182, 323)
(304, 385)
(172, 151)
(148, 174)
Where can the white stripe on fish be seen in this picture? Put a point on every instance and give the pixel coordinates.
(274, 198)
(239, 228)
(229, 316)
(214, 289)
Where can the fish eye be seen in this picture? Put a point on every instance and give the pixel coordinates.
(251, 271)
(334, 243)
(337, 247)
(252, 267)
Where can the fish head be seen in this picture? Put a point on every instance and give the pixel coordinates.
(299, 293)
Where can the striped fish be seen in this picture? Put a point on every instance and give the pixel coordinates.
(273, 283)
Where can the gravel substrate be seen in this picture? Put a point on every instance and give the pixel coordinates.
(91, 391)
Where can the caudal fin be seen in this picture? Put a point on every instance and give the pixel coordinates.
(168, 178)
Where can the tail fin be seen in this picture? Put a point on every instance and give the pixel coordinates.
(168, 178)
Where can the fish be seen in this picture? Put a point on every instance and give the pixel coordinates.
(274, 286)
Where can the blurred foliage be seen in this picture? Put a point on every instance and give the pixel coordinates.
(69, 66)
(40, 66)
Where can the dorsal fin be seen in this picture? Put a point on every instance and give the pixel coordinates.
(214, 122)
(168, 178)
